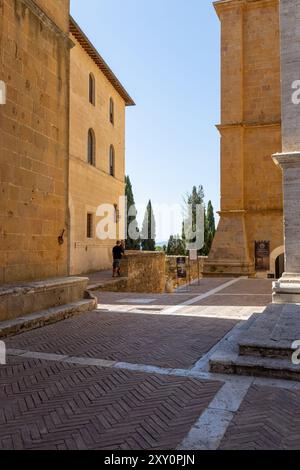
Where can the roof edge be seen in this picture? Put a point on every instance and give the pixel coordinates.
(90, 49)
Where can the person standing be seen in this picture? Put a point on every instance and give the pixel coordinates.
(118, 251)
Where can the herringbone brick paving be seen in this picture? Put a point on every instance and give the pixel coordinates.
(59, 406)
(268, 419)
(166, 341)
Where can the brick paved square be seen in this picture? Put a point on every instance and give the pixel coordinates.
(59, 406)
(250, 286)
(164, 300)
(166, 341)
(237, 300)
(268, 419)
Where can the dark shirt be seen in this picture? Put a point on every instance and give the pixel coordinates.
(118, 252)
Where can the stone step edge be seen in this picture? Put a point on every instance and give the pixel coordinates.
(47, 317)
(265, 348)
(255, 367)
(41, 286)
(102, 284)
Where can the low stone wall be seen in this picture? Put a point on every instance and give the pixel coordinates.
(151, 272)
(193, 269)
(142, 271)
(146, 271)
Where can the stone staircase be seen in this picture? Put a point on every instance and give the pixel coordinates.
(34, 304)
(263, 347)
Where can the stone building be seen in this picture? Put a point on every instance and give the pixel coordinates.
(249, 240)
(34, 139)
(97, 151)
(48, 187)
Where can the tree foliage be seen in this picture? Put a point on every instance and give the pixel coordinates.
(148, 233)
(132, 224)
(176, 246)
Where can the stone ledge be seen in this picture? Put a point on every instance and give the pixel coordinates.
(113, 285)
(47, 317)
(26, 298)
(287, 289)
(41, 286)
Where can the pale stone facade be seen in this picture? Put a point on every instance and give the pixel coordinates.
(93, 185)
(34, 139)
(251, 186)
(287, 290)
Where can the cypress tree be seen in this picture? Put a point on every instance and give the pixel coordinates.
(210, 228)
(194, 199)
(131, 244)
(148, 234)
(211, 218)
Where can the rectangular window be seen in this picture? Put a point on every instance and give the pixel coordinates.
(90, 226)
(117, 213)
(111, 111)
(92, 93)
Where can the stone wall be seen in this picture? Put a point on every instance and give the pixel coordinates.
(34, 139)
(146, 271)
(143, 272)
(57, 10)
(194, 268)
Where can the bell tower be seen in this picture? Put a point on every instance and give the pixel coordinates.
(250, 130)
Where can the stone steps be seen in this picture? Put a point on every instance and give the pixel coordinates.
(263, 348)
(270, 349)
(255, 366)
(270, 334)
(47, 317)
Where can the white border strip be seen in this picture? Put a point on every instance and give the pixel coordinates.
(198, 298)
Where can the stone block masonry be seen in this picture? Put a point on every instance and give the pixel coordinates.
(287, 290)
(142, 271)
(250, 129)
(34, 139)
(194, 269)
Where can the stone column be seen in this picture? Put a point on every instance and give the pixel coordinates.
(287, 289)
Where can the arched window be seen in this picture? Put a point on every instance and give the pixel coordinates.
(92, 89)
(112, 161)
(111, 111)
(91, 148)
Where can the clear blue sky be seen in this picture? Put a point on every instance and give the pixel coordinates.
(166, 54)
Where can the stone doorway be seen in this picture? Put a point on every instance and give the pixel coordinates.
(279, 266)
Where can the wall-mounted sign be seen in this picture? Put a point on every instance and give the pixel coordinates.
(181, 267)
(262, 256)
